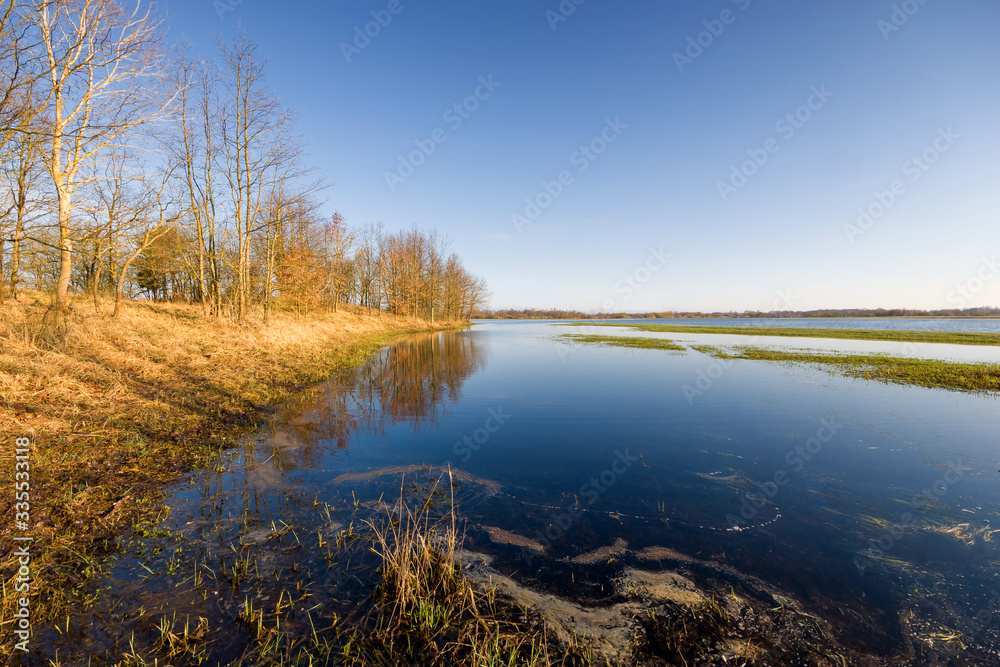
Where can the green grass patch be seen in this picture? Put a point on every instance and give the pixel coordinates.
(948, 337)
(624, 341)
(978, 378)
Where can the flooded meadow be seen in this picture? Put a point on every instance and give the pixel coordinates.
(642, 505)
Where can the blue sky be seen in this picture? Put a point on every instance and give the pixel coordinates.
(868, 87)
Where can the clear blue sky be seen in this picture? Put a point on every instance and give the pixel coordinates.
(893, 90)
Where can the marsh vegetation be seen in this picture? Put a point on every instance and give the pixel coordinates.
(892, 369)
(944, 337)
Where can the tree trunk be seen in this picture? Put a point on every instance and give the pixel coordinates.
(97, 278)
(118, 295)
(201, 273)
(65, 259)
(15, 260)
(121, 279)
(241, 280)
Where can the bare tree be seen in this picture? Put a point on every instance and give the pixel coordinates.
(369, 263)
(121, 204)
(22, 169)
(437, 246)
(339, 241)
(253, 142)
(19, 67)
(198, 155)
(153, 209)
(101, 82)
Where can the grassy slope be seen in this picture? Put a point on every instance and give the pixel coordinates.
(130, 404)
(953, 338)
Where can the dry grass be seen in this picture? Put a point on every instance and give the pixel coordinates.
(122, 407)
(420, 576)
(429, 613)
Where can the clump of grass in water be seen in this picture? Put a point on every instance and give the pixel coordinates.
(624, 341)
(420, 576)
(428, 612)
(186, 642)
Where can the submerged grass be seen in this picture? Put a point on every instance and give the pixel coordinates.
(948, 337)
(624, 341)
(428, 612)
(978, 378)
(121, 407)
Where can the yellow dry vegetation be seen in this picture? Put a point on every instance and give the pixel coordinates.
(119, 407)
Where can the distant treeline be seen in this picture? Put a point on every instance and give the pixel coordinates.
(556, 314)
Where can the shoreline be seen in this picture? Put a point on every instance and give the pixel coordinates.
(131, 405)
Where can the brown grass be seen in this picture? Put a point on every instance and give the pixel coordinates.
(122, 407)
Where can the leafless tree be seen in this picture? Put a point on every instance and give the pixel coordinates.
(253, 124)
(25, 200)
(339, 241)
(198, 154)
(19, 67)
(103, 80)
(154, 210)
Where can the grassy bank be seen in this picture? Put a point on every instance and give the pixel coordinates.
(127, 405)
(948, 337)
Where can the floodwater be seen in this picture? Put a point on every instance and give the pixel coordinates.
(973, 325)
(872, 506)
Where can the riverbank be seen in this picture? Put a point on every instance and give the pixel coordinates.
(942, 337)
(127, 406)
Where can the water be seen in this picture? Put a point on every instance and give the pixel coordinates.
(972, 325)
(945, 352)
(865, 503)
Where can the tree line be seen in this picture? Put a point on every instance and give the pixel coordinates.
(132, 168)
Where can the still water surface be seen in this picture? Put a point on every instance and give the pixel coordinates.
(863, 501)
(974, 325)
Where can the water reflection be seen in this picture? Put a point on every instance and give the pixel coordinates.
(416, 380)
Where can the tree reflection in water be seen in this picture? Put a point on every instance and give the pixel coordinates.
(415, 380)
